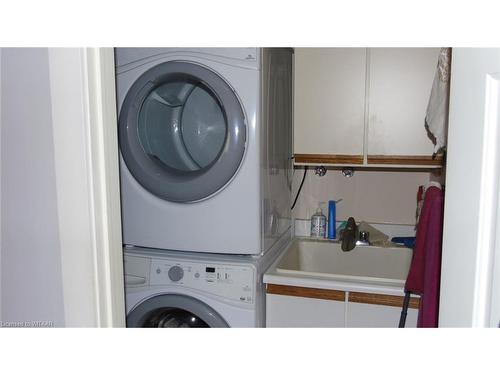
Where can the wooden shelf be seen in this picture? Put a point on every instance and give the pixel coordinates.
(373, 161)
(328, 159)
(405, 159)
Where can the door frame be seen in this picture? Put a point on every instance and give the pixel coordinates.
(87, 179)
(99, 64)
(471, 250)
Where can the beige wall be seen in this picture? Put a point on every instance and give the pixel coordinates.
(373, 196)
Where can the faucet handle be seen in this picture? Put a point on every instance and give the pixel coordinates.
(363, 235)
(363, 239)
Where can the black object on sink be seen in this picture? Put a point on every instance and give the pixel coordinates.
(349, 235)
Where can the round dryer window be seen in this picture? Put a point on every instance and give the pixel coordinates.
(182, 131)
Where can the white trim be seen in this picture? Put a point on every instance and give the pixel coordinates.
(72, 188)
(87, 182)
(0, 184)
(488, 204)
(99, 64)
(495, 287)
(470, 168)
(367, 105)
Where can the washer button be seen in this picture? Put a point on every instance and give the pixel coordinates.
(197, 275)
(175, 273)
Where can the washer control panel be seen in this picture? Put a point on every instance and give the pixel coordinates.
(235, 282)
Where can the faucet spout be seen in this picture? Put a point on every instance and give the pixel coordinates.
(349, 235)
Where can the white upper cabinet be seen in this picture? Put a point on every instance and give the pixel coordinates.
(363, 106)
(329, 100)
(400, 82)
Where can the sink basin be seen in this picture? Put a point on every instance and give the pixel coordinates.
(364, 263)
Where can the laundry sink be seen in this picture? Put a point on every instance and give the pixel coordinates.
(326, 259)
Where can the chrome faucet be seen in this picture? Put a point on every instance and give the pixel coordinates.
(349, 235)
(363, 239)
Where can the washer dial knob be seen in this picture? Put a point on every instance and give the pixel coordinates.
(175, 273)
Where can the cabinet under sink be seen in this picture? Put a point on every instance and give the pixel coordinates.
(315, 284)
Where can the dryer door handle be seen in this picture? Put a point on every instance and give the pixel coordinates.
(134, 280)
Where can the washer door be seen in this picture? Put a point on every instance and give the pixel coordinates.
(174, 311)
(182, 131)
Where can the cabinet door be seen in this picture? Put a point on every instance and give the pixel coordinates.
(288, 311)
(400, 85)
(329, 101)
(364, 315)
(368, 310)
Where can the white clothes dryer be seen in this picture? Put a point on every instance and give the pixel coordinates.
(205, 140)
(170, 289)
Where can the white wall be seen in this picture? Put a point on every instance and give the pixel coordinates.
(30, 249)
(60, 232)
(373, 196)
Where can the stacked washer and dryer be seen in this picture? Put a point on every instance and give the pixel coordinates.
(205, 140)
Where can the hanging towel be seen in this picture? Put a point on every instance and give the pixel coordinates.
(436, 119)
(420, 198)
(425, 268)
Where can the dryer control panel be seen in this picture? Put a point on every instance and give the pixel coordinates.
(234, 282)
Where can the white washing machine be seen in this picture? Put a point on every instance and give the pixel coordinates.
(170, 289)
(206, 143)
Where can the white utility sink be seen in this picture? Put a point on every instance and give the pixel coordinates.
(326, 259)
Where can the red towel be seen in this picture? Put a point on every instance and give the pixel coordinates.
(425, 269)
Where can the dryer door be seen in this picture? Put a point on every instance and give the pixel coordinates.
(182, 131)
(174, 311)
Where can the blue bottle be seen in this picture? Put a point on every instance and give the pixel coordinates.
(331, 220)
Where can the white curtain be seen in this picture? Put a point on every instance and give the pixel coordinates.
(436, 118)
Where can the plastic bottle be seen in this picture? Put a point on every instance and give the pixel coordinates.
(318, 224)
(332, 233)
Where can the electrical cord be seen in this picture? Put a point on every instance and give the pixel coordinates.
(300, 187)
